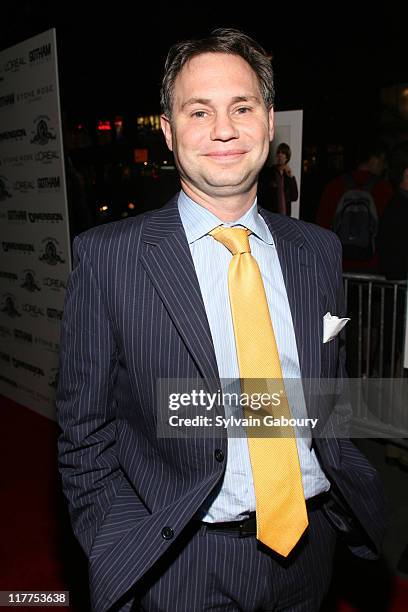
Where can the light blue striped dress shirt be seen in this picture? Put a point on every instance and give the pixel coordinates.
(235, 496)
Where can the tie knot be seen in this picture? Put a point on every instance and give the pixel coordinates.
(234, 238)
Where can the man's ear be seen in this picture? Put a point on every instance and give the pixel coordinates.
(271, 124)
(166, 127)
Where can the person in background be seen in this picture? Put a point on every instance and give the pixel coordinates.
(370, 168)
(277, 187)
(393, 232)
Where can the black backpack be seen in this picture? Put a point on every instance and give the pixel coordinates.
(356, 219)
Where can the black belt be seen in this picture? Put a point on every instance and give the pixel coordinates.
(247, 527)
(243, 528)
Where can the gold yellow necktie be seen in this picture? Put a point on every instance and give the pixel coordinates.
(280, 503)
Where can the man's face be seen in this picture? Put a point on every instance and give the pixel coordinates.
(379, 163)
(281, 158)
(220, 128)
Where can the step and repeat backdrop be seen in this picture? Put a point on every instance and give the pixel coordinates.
(34, 234)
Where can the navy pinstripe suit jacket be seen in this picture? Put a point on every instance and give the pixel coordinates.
(134, 313)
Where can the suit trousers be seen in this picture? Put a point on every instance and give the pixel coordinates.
(221, 570)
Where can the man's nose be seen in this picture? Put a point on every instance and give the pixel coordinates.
(223, 127)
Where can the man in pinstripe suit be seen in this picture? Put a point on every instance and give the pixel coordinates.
(168, 523)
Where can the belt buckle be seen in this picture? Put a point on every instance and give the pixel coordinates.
(247, 527)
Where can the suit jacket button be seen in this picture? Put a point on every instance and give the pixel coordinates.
(219, 455)
(167, 533)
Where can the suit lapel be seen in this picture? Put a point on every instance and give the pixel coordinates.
(169, 264)
(301, 279)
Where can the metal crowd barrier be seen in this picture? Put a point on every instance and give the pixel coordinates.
(375, 346)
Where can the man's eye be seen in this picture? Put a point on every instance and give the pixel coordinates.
(242, 110)
(199, 114)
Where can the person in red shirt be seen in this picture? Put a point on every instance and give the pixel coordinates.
(373, 163)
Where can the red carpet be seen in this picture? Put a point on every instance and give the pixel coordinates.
(398, 600)
(37, 549)
(39, 553)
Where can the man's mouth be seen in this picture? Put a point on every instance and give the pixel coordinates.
(225, 155)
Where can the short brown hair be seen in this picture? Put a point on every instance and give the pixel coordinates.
(285, 149)
(221, 40)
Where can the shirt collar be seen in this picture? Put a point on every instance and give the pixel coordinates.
(198, 221)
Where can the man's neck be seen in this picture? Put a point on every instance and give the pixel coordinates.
(228, 208)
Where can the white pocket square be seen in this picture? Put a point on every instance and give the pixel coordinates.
(332, 326)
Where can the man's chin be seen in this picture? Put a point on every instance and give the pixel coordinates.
(222, 187)
(240, 186)
(234, 183)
